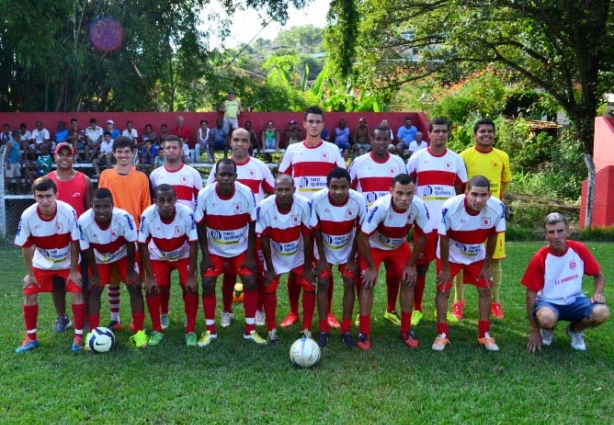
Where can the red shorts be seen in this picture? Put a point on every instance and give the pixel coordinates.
(341, 268)
(471, 273)
(117, 269)
(45, 282)
(298, 273)
(162, 271)
(394, 260)
(430, 249)
(227, 265)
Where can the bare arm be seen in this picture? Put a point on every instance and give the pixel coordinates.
(535, 338)
(599, 287)
(444, 255)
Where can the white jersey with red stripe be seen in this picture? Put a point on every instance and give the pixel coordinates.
(227, 219)
(186, 181)
(373, 178)
(557, 278)
(468, 231)
(168, 240)
(108, 243)
(436, 177)
(309, 166)
(254, 174)
(337, 223)
(388, 227)
(52, 237)
(285, 231)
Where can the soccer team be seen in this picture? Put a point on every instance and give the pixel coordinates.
(318, 215)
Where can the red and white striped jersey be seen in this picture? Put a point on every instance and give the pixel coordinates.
(436, 177)
(373, 178)
(254, 174)
(168, 240)
(109, 243)
(309, 166)
(227, 219)
(285, 231)
(186, 181)
(558, 278)
(337, 223)
(467, 230)
(388, 227)
(51, 237)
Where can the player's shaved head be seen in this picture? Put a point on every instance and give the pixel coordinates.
(102, 193)
(284, 179)
(478, 181)
(164, 189)
(240, 132)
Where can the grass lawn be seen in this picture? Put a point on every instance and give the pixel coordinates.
(234, 381)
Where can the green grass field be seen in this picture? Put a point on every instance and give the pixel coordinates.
(235, 382)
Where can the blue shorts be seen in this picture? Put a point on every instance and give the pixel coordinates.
(403, 145)
(580, 309)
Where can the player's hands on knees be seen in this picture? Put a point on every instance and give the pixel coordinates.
(151, 286)
(352, 266)
(486, 275)
(191, 285)
(29, 280)
(444, 277)
(369, 277)
(75, 277)
(133, 278)
(269, 276)
(205, 264)
(535, 342)
(250, 264)
(598, 299)
(309, 276)
(321, 266)
(94, 281)
(409, 275)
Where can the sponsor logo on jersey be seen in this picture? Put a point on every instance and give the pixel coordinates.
(371, 197)
(468, 250)
(129, 221)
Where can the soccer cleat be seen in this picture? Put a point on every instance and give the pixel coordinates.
(457, 310)
(114, 325)
(206, 338)
(260, 318)
(253, 336)
(306, 333)
(323, 339)
(347, 340)
(77, 343)
(440, 342)
(290, 320)
(410, 339)
(488, 342)
(227, 318)
(577, 339)
(62, 323)
(496, 310)
(392, 317)
(416, 317)
(450, 318)
(165, 321)
(191, 340)
(28, 344)
(364, 343)
(155, 338)
(272, 337)
(140, 339)
(332, 322)
(547, 335)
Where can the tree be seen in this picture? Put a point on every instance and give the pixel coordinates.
(563, 47)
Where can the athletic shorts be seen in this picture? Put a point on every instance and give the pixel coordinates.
(394, 260)
(14, 172)
(471, 272)
(429, 252)
(500, 249)
(298, 273)
(45, 282)
(341, 268)
(580, 309)
(117, 269)
(230, 123)
(227, 265)
(162, 271)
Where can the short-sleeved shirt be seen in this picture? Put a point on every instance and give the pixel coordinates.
(186, 181)
(285, 229)
(494, 165)
(40, 136)
(168, 240)
(108, 243)
(231, 109)
(373, 178)
(557, 278)
(388, 227)
(52, 237)
(94, 135)
(131, 134)
(309, 165)
(415, 147)
(227, 219)
(468, 230)
(436, 177)
(337, 223)
(254, 174)
(61, 136)
(407, 135)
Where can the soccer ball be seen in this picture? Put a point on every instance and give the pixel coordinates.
(237, 293)
(100, 340)
(305, 352)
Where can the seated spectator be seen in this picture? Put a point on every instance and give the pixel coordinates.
(61, 135)
(25, 138)
(253, 138)
(292, 135)
(111, 129)
(346, 157)
(362, 135)
(76, 137)
(406, 134)
(131, 133)
(217, 138)
(202, 142)
(12, 162)
(164, 133)
(150, 135)
(106, 153)
(44, 162)
(341, 135)
(392, 146)
(270, 136)
(40, 137)
(6, 134)
(148, 154)
(93, 138)
(160, 159)
(418, 144)
(325, 135)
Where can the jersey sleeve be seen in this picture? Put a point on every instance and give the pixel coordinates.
(211, 178)
(422, 218)
(144, 230)
(412, 166)
(353, 176)
(375, 216)
(461, 174)
(591, 266)
(22, 238)
(130, 233)
(285, 166)
(444, 224)
(190, 227)
(84, 242)
(261, 222)
(500, 226)
(534, 275)
(75, 230)
(339, 159)
(268, 182)
(199, 213)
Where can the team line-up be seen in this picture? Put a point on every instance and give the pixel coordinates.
(318, 215)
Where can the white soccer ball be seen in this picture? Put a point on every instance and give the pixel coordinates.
(100, 340)
(305, 352)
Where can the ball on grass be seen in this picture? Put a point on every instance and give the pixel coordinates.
(305, 353)
(100, 340)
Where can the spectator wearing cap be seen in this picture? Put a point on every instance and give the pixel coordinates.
(12, 162)
(61, 135)
(231, 108)
(112, 130)
(362, 135)
(93, 137)
(292, 134)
